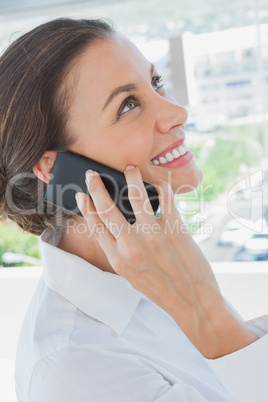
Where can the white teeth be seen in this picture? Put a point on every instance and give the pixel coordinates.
(169, 157)
(175, 153)
(182, 150)
(162, 160)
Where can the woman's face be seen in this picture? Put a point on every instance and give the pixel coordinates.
(122, 116)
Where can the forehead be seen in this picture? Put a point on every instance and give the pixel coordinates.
(112, 56)
(103, 66)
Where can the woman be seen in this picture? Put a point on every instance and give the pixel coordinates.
(122, 312)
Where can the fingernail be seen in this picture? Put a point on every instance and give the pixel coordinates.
(89, 174)
(130, 167)
(79, 199)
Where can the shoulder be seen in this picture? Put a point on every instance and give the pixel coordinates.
(97, 374)
(50, 326)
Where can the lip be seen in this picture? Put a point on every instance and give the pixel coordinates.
(174, 145)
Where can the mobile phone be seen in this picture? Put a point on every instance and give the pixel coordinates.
(68, 177)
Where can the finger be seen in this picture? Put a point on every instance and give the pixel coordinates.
(95, 225)
(138, 196)
(167, 201)
(88, 211)
(105, 207)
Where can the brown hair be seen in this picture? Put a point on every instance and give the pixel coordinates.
(33, 111)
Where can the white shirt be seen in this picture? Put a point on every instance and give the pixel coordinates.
(89, 336)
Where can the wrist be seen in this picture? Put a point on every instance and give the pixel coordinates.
(212, 326)
(227, 333)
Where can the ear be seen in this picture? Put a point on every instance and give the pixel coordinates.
(44, 167)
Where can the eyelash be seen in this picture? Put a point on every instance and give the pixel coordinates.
(158, 78)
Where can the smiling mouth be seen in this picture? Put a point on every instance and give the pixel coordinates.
(168, 156)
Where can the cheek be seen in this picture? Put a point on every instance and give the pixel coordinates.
(136, 141)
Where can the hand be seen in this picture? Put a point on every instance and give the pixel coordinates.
(164, 264)
(155, 259)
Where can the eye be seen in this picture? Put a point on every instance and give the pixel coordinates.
(158, 82)
(129, 104)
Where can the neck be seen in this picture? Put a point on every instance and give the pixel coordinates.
(77, 239)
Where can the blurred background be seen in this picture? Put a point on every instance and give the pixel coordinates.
(214, 60)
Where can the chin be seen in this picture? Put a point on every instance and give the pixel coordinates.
(191, 182)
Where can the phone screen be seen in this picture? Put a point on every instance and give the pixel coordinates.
(68, 177)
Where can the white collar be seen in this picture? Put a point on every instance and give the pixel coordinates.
(105, 296)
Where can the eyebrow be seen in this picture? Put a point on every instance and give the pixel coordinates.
(124, 88)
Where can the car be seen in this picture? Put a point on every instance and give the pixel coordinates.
(244, 255)
(235, 234)
(257, 244)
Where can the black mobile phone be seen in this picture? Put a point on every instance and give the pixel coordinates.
(68, 177)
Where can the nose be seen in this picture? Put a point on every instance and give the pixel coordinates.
(169, 114)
